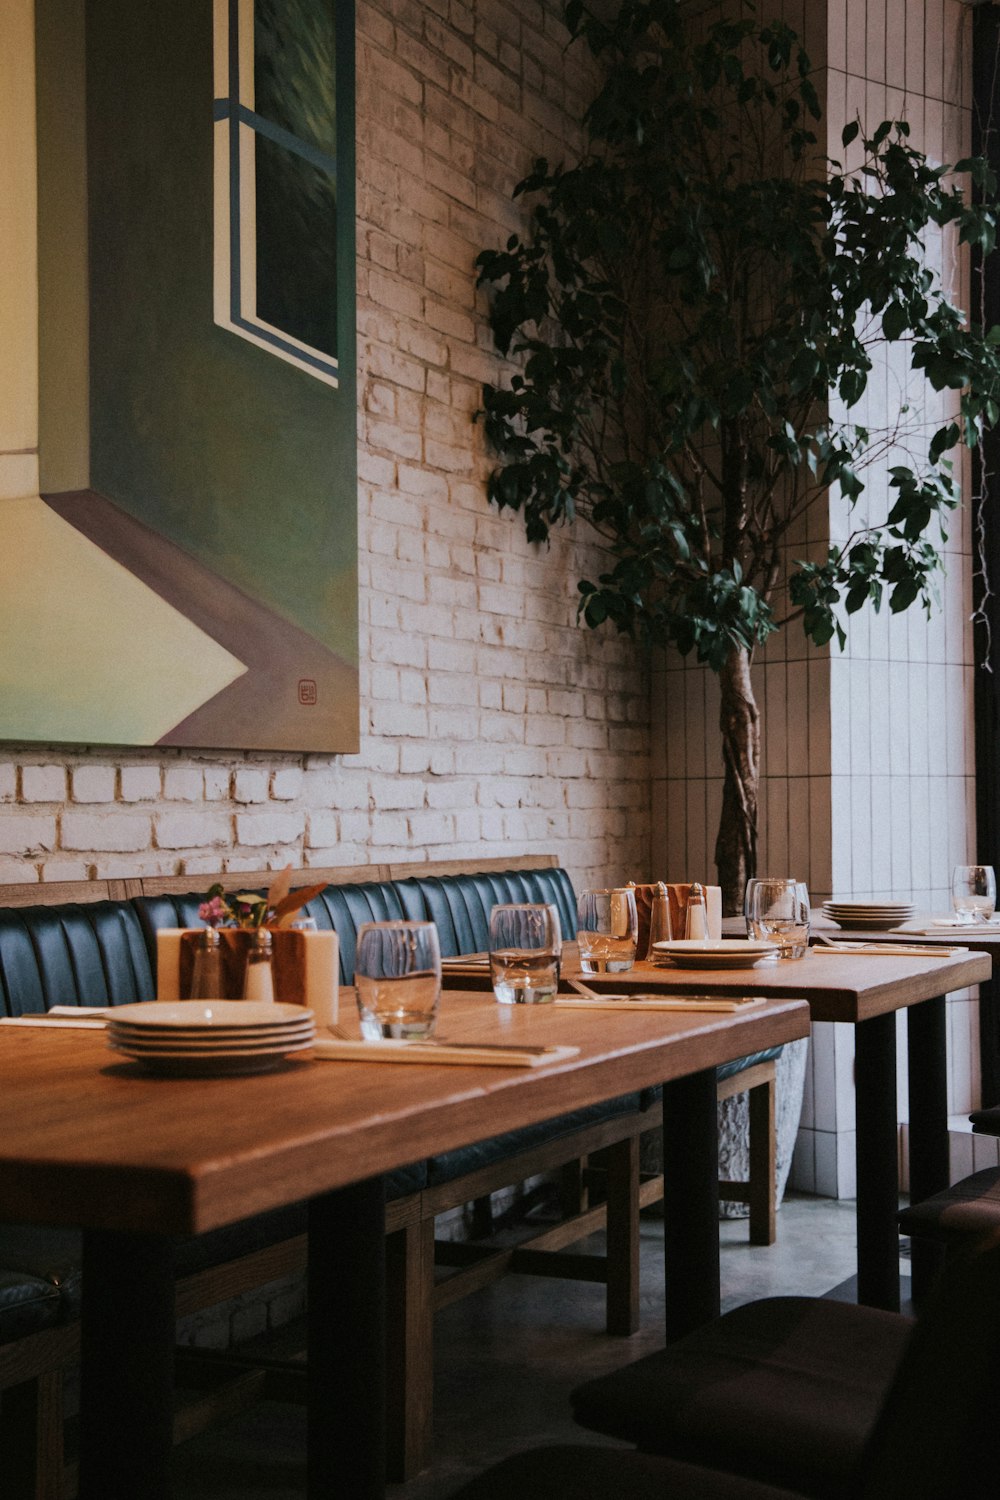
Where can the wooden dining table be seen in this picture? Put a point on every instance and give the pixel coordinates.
(863, 991)
(981, 939)
(136, 1160)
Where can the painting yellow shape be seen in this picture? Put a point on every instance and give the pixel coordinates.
(75, 626)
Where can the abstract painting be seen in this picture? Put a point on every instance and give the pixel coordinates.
(191, 579)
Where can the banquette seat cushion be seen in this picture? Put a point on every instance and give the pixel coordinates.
(93, 953)
(461, 904)
(27, 1305)
(345, 908)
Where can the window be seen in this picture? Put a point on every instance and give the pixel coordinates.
(276, 178)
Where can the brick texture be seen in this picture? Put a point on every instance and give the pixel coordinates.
(492, 723)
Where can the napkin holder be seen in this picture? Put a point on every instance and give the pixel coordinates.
(305, 964)
(677, 898)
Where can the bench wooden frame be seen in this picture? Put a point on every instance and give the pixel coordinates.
(31, 1369)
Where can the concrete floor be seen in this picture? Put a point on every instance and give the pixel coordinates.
(506, 1359)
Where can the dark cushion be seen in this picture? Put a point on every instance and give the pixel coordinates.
(786, 1390)
(607, 1474)
(27, 1305)
(154, 912)
(986, 1121)
(345, 907)
(461, 904)
(452, 1164)
(52, 1255)
(969, 1207)
(730, 1069)
(87, 954)
(935, 1438)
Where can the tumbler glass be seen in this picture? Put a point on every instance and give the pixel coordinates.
(397, 972)
(607, 927)
(973, 892)
(525, 948)
(777, 911)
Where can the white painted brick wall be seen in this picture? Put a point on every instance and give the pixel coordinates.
(491, 722)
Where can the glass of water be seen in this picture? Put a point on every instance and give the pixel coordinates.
(525, 949)
(777, 911)
(973, 892)
(397, 972)
(607, 926)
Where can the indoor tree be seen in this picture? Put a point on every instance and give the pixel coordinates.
(690, 319)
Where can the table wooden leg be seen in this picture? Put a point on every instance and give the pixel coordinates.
(127, 1364)
(690, 1202)
(927, 1062)
(877, 1162)
(346, 1337)
(989, 1041)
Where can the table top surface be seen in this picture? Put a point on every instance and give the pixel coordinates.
(849, 987)
(977, 939)
(95, 1141)
(917, 929)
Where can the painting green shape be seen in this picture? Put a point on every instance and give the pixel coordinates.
(221, 476)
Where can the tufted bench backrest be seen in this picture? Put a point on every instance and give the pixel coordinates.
(154, 912)
(346, 907)
(88, 954)
(461, 904)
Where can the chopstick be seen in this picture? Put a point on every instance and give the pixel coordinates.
(905, 950)
(584, 989)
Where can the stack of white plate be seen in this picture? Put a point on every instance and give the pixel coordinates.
(727, 953)
(868, 916)
(203, 1037)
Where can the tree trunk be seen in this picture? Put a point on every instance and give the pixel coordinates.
(739, 721)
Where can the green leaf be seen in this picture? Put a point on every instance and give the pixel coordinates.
(895, 321)
(849, 133)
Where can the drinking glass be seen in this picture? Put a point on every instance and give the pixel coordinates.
(777, 911)
(525, 949)
(973, 892)
(397, 972)
(607, 927)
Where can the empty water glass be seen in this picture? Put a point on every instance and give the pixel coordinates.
(397, 972)
(607, 927)
(525, 949)
(973, 892)
(777, 911)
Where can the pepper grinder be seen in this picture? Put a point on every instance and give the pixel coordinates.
(206, 975)
(696, 924)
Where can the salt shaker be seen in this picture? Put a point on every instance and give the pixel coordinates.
(696, 925)
(258, 981)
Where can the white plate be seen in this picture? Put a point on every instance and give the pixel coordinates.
(253, 1034)
(867, 911)
(208, 1014)
(872, 908)
(727, 953)
(212, 1064)
(868, 922)
(215, 1047)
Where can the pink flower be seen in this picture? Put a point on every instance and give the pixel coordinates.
(213, 912)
